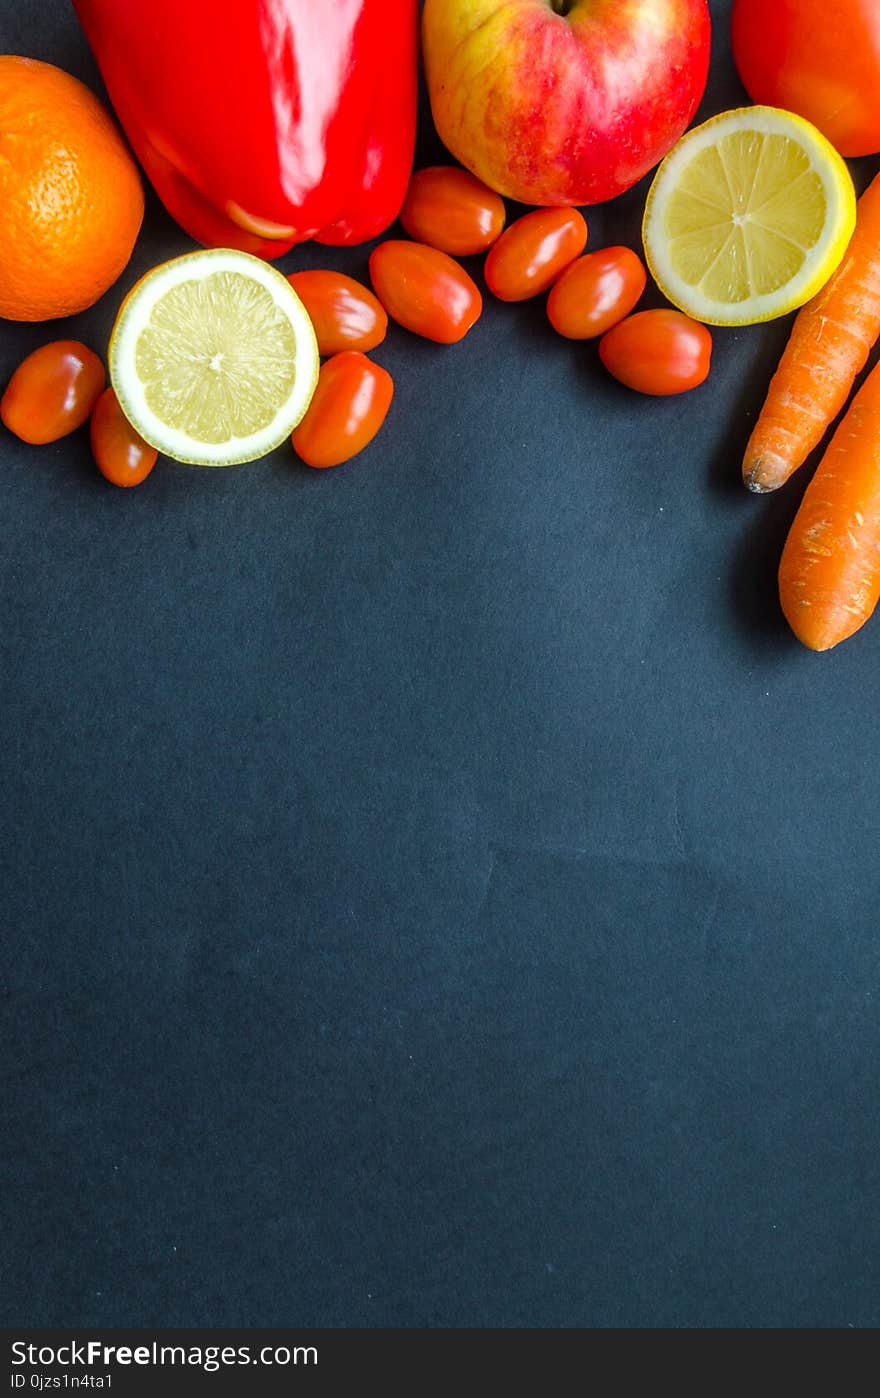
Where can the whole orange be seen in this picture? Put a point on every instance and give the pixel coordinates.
(71, 198)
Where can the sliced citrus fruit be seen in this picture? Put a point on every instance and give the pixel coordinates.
(213, 358)
(748, 216)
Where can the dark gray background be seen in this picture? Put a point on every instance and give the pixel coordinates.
(437, 891)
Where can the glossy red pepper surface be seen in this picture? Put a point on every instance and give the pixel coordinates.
(265, 122)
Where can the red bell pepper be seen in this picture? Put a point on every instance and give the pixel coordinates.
(261, 123)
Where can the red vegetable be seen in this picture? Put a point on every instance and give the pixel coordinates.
(595, 292)
(121, 454)
(658, 352)
(345, 314)
(349, 406)
(532, 252)
(819, 58)
(424, 290)
(265, 122)
(52, 391)
(452, 210)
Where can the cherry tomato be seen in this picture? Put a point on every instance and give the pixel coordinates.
(121, 453)
(452, 210)
(425, 290)
(532, 252)
(819, 58)
(595, 292)
(52, 392)
(349, 406)
(659, 352)
(345, 314)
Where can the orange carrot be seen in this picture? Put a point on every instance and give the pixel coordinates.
(829, 576)
(829, 345)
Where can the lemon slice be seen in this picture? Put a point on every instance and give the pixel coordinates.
(748, 216)
(213, 358)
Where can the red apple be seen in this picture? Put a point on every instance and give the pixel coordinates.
(563, 101)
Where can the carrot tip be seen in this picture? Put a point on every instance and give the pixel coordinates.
(752, 481)
(818, 645)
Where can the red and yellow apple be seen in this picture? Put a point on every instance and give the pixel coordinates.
(563, 101)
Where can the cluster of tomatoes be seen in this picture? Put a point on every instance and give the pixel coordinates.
(59, 387)
(448, 213)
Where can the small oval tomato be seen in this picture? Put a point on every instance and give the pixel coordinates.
(121, 454)
(659, 352)
(425, 290)
(345, 314)
(819, 59)
(532, 252)
(595, 292)
(52, 392)
(349, 406)
(452, 210)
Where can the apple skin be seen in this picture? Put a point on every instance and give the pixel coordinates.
(563, 108)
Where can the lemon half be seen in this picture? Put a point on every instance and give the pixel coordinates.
(213, 358)
(748, 216)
